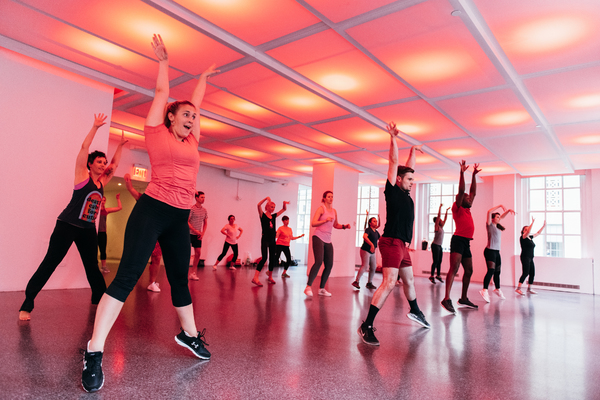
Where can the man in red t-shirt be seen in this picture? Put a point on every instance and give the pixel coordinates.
(460, 246)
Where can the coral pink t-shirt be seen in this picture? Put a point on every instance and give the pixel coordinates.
(285, 236)
(463, 221)
(174, 167)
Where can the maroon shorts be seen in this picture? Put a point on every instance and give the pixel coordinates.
(394, 253)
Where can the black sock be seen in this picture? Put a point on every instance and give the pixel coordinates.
(371, 316)
(414, 308)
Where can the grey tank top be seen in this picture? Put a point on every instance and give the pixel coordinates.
(494, 237)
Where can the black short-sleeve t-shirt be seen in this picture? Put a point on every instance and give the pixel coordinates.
(400, 210)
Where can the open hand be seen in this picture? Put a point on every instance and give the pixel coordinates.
(159, 48)
(210, 71)
(463, 166)
(391, 128)
(476, 169)
(99, 120)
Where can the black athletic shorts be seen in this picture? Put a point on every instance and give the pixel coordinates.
(461, 245)
(196, 241)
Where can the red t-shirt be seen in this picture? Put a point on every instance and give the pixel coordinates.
(463, 221)
(174, 167)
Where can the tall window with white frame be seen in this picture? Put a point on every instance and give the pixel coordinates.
(441, 193)
(557, 200)
(368, 199)
(303, 221)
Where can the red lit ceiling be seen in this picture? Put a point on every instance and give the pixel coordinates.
(513, 84)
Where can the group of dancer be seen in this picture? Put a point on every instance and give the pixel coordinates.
(170, 216)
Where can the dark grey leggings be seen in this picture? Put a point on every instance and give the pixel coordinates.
(528, 269)
(437, 253)
(226, 247)
(323, 252)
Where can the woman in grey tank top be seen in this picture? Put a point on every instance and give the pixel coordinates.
(492, 251)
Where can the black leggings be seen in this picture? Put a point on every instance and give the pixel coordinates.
(150, 221)
(267, 249)
(102, 239)
(226, 246)
(288, 257)
(62, 238)
(528, 269)
(323, 252)
(437, 254)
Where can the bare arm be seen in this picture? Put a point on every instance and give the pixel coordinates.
(393, 157)
(491, 211)
(224, 230)
(366, 220)
(473, 190)
(136, 195)
(109, 172)
(156, 114)
(204, 226)
(528, 229)
(506, 213)
(115, 209)
(367, 241)
(315, 220)
(540, 231)
(81, 170)
(285, 203)
(337, 225)
(461, 183)
(297, 237)
(438, 221)
(259, 205)
(445, 217)
(198, 96)
(241, 231)
(412, 159)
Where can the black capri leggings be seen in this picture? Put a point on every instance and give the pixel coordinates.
(288, 257)
(437, 254)
(62, 238)
(323, 252)
(528, 269)
(267, 249)
(102, 240)
(226, 246)
(150, 221)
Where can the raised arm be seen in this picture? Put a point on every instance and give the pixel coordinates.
(136, 195)
(259, 205)
(491, 211)
(198, 96)
(528, 229)
(445, 217)
(540, 231)
(285, 203)
(412, 158)
(506, 213)
(461, 183)
(393, 157)
(438, 220)
(473, 190)
(81, 170)
(366, 221)
(156, 115)
(109, 172)
(115, 209)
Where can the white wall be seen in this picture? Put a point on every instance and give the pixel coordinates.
(45, 114)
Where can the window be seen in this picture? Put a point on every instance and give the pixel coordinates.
(556, 200)
(303, 225)
(368, 199)
(441, 193)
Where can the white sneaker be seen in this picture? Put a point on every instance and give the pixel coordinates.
(193, 276)
(531, 291)
(153, 287)
(323, 292)
(500, 294)
(484, 293)
(308, 291)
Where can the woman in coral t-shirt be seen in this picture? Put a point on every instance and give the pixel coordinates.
(172, 132)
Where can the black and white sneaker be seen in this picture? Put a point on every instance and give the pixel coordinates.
(447, 304)
(467, 303)
(367, 335)
(195, 344)
(92, 378)
(419, 318)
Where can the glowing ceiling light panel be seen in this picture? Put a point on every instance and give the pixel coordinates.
(507, 118)
(435, 66)
(304, 102)
(338, 82)
(550, 34)
(456, 152)
(410, 129)
(247, 106)
(586, 101)
(587, 139)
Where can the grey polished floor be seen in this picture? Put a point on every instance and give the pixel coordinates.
(273, 342)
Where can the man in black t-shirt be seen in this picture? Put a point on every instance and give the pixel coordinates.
(397, 235)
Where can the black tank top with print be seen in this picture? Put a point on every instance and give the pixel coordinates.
(84, 206)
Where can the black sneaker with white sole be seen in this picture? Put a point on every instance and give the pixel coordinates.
(92, 378)
(367, 335)
(467, 303)
(195, 344)
(419, 318)
(447, 304)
